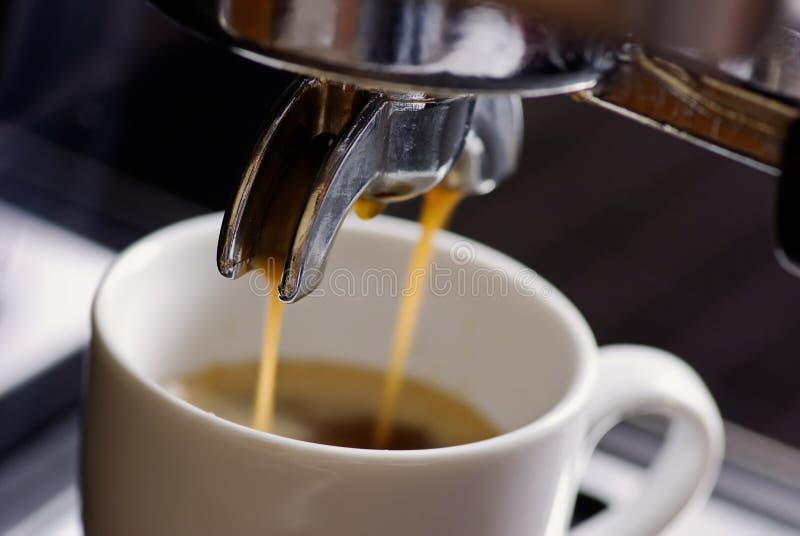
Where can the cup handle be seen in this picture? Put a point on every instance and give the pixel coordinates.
(637, 380)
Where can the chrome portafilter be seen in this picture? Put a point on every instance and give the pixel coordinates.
(332, 144)
(397, 90)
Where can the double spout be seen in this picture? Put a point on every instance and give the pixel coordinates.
(333, 144)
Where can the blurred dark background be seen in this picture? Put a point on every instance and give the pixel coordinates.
(114, 122)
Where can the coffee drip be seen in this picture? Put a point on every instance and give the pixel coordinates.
(264, 400)
(438, 206)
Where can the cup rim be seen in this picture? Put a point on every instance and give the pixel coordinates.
(569, 404)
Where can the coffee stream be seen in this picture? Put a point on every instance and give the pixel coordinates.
(264, 409)
(438, 205)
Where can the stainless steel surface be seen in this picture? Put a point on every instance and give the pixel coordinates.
(530, 47)
(720, 73)
(492, 148)
(443, 46)
(332, 144)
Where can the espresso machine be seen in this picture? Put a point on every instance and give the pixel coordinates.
(116, 122)
(394, 95)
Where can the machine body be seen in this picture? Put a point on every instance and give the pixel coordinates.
(397, 93)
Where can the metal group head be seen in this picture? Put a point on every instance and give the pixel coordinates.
(397, 93)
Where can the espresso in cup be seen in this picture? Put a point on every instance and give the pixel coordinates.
(345, 429)
(334, 404)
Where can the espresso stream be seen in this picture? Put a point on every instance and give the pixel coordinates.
(438, 205)
(264, 405)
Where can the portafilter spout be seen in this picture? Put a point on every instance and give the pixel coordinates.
(333, 143)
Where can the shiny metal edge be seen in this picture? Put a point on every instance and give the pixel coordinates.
(526, 84)
(440, 84)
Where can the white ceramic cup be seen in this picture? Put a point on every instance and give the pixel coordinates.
(520, 353)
